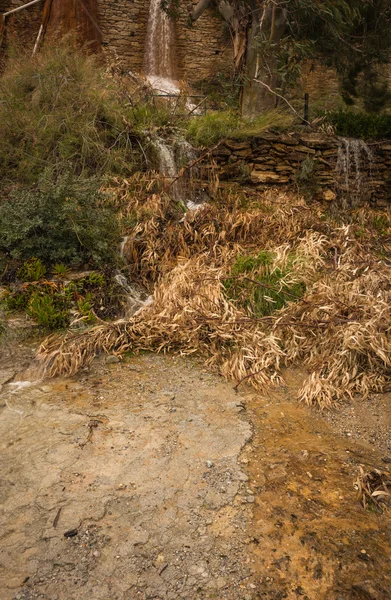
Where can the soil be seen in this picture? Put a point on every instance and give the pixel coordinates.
(150, 478)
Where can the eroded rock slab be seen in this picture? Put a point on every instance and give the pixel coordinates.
(123, 483)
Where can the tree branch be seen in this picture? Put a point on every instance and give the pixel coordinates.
(282, 98)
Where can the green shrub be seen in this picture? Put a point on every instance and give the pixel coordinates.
(58, 107)
(258, 287)
(355, 124)
(61, 220)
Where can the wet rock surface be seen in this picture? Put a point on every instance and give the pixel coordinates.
(123, 483)
(150, 478)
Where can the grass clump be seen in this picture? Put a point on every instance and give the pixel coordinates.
(215, 126)
(58, 107)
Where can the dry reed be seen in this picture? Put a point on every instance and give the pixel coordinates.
(340, 329)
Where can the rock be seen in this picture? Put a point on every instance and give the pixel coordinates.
(329, 195)
(46, 389)
(235, 145)
(209, 464)
(112, 359)
(267, 177)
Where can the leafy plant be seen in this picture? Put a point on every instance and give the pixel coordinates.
(60, 270)
(32, 270)
(48, 310)
(61, 220)
(358, 124)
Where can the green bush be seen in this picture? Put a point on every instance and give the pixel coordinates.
(32, 270)
(58, 107)
(56, 304)
(62, 220)
(355, 124)
(258, 287)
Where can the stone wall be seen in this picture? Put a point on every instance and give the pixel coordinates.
(312, 163)
(202, 50)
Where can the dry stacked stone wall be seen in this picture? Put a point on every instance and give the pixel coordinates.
(309, 163)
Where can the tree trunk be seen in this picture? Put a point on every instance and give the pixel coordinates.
(79, 16)
(269, 26)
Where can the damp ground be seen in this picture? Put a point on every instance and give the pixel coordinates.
(150, 478)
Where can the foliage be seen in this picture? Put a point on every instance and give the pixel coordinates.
(49, 310)
(61, 108)
(351, 36)
(61, 220)
(259, 286)
(214, 126)
(222, 90)
(60, 270)
(56, 304)
(32, 270)
(356, 124)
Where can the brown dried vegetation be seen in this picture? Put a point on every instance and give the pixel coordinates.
(340, 330)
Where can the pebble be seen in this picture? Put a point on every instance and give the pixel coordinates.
(112, 359)
(209, 464)
(250, 499)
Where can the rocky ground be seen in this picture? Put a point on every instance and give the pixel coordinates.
(150, 478)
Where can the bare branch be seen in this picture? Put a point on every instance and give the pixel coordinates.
(282, 98)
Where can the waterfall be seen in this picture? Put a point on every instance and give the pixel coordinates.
(351, 156)
(172, 157)
(166, 157)
(136, 296)
(160, 59)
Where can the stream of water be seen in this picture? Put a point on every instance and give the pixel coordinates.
(160, 65)
(351, 168)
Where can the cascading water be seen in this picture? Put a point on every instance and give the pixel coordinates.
(136, 297)
(172, 156)
(350, 167)
(160, 59)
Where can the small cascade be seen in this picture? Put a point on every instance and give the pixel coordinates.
(351, 168)
(136, 296)
(166, 158)
(160, 59)
(172, 157)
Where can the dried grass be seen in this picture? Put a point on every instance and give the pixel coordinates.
(340, 330)
(373, 488)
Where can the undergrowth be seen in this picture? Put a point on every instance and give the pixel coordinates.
(61, 107)
(258, 285)
(324, 302)
(214, 126)
(358, 124)
(59, 303)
